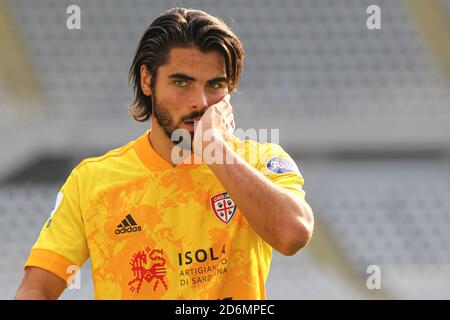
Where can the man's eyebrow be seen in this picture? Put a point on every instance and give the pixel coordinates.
(181, 76)
(218, 79)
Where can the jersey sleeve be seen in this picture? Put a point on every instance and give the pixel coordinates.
(279, 167)
(62, 243)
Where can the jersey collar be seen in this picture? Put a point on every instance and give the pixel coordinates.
(154, 161)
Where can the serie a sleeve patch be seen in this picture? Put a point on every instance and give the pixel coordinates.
(281, 165)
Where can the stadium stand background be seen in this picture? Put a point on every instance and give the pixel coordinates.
(365, 113)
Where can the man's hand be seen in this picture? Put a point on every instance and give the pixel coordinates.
(215, 126)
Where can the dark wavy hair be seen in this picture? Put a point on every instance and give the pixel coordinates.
(179, 27)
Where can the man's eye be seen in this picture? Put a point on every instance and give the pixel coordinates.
(180, 83)
(215, 85)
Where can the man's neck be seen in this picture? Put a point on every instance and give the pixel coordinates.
(160, 142)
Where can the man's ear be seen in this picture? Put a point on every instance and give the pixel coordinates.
(146, 79)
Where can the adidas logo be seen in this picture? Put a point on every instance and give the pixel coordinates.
(128, 225)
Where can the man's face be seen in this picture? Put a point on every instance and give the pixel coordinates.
(186, 86)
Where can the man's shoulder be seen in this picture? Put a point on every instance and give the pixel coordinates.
(95, 174)
(260, 149)
(117, 157)
(268, 158)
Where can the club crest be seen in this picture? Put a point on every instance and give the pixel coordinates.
(223, 207)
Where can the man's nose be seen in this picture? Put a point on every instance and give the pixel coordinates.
(199, 99)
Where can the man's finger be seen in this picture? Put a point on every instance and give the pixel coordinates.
(224, 103)
(227, 112)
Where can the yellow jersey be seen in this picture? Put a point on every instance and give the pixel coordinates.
(157, 231)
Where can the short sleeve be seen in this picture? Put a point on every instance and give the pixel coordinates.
(278, 166)
(62, 241)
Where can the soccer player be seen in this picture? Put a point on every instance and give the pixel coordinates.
(159, 228)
